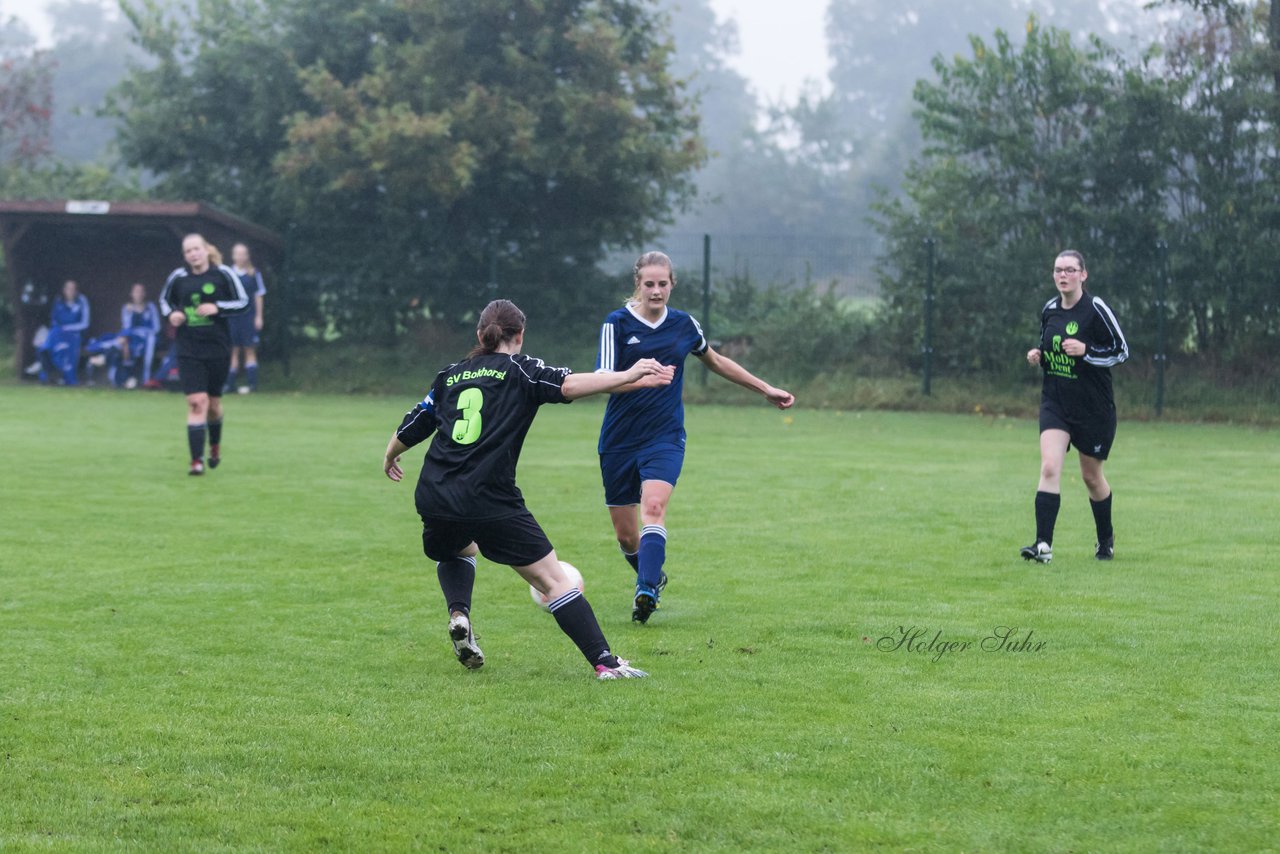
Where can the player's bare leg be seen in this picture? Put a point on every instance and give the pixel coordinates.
(1100, 503)
(197, 426)
(1053, 452)
(575, 617)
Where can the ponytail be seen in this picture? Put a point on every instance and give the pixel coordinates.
(500, 321)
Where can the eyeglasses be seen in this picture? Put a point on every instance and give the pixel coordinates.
(1066, 269)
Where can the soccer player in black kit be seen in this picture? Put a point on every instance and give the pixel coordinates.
(1080, 341)
(197, 298)
(480, 411)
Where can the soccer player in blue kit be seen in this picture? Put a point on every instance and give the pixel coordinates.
(642, 438)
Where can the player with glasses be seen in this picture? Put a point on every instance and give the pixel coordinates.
(1080, 341)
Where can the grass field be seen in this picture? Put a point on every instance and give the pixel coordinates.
(256, 660)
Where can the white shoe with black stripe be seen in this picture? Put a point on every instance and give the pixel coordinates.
(464, 642)
(1041, 552)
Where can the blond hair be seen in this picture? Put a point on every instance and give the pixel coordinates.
(650, 259)
(249, 268)
(215, 257)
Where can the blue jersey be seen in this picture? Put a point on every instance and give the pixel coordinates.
(253, 284)
(73, 317)
(142, 322)
(635, 419)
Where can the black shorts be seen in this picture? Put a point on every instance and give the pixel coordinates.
(1091, 436)
(206, 376)
(515, 541)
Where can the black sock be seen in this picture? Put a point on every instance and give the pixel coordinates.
(215, 432)
(457, 578)
(633, 558)
(1102, 518)
(1047, 504)
(195, 440)
(578, 621)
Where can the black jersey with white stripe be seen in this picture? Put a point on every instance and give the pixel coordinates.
(199, 336)
(479, 411)
(1080, 384)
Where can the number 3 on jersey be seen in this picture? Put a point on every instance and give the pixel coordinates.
(466, 430)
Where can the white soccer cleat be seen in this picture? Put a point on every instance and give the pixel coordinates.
(624, 670)
(464, 642)
(1041, 552)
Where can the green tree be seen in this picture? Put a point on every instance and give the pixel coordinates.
(1028, 150)
(91, 53)
(410, 147)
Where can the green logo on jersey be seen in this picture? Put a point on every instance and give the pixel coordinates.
(193, 316)
(1058, 363)
(479, 374)
(1072, 327)
(208, 288)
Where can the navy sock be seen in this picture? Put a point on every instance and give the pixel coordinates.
(457, 578)
(215, 432)
(195, 440)
(632, 558)
(251, 373)
(653, 554)
(1047, 504)
(1102, 518)
(231, 380)
(573, 612)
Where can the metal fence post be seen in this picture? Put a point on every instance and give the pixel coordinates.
(706, 296)
(1161, 355)
(930, 249)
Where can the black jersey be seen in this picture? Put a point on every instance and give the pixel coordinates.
(480, 411)
(204, 337)
(1080, 385)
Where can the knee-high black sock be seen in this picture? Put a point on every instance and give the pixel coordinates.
(578, 621)
(457, 578)
(1047, 504)
(1102, 518)
(215, 432)
(195, 440)
(633, 558)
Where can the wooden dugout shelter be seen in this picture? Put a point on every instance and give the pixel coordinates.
(107, 247)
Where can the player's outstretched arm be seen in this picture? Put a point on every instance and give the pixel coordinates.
(735, 373)
(391, 462)
(646, 373)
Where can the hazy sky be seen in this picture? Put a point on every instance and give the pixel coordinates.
(782, 41)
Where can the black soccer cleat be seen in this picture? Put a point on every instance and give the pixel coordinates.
(662, 583)
(645, 604)
(1040, 552)
(197, 467)
(215, 456)
(1106, 549)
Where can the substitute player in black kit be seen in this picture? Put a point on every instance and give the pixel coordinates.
(480, 411)
(1080, 341)
(197, 299)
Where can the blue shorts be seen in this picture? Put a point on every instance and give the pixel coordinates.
(242, 332)
(624, 471)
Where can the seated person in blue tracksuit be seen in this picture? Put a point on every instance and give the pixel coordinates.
(61, 348)
(139, 326)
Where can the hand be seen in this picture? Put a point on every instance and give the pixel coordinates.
(650, 373)
(1033, 357)
(257, 323)
(177, 318)
(391, 466)
(1073, 347)
(779, 398)
(207, 309)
